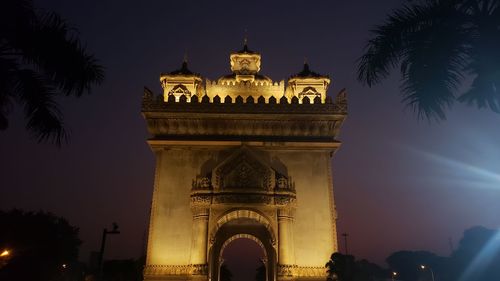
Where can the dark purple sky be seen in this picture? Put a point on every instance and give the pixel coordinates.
(399, 183)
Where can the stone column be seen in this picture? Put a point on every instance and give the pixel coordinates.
(200, 233)
(286, 252)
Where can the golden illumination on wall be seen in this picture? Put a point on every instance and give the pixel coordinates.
(245, 81)
(181, 82)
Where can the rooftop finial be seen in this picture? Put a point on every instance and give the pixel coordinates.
(305, 60)
(245, 39)
(184, 66)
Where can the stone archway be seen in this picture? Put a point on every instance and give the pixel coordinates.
(242, 227)
(256, 240)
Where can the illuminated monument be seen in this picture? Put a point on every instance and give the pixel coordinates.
(242, 157)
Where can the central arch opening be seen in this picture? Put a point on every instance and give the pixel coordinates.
(242, 240)
(245, 258)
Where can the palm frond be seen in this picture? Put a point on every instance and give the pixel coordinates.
(485, 58)
(383, 52)
(55, 50)
(433, 63)
(41, 110)
(8, 67)
(428, 41)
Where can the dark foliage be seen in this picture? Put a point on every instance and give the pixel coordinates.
(40, 243)
(476, 259)
(407, 264)
(41, 58)
(478, 256)
(437, 44)
(225, 273)
(123, 270)
(260, 274)
(345, 268)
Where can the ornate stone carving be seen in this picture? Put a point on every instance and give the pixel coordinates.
(243, 172)
(301, 271)
(201, 199)
(284, 184)
(163, 270)
(199, 269)
(241, 105)
(341, 102)
(286, 269)
(284, 200)
(309, 271)
(202, 183)
(243, 198)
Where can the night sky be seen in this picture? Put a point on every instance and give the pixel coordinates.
(400, 183)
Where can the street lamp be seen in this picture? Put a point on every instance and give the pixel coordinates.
(4, 257)
(425, 267)
(394, 274)
(105, 232)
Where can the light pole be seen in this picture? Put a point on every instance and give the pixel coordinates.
(424, 267)
(345, 242)
(105, 232)
(394, 274)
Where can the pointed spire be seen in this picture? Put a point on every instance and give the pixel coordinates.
(185, 62)
(245, 45)
(306, 72)
(184, 70)
(245, 39)
(306, 69)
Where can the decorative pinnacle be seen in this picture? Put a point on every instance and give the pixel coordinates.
(245, 39)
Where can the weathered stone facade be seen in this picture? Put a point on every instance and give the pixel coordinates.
(242, 158)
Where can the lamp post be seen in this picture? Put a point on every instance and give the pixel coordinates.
(424, 267)
(345, 242)
(394, 274)
(105, 232)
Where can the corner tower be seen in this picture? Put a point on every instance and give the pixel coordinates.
(242, 157)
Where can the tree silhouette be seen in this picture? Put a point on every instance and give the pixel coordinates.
(39, 243)
(260, 274)
(41, 58)
(341, 267)
(437, 45)
(345, 268)
(407, 264)
(477, 257)
(225, 273)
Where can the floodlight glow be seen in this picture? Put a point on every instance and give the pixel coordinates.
(461, 173)
(5, 253)
(483, 259)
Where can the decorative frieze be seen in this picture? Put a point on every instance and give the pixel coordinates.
(287, 270)
(243, 198)
(179, 270)
(310, 271)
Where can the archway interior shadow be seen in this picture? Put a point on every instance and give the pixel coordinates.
(243, 257)
(243, 229)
